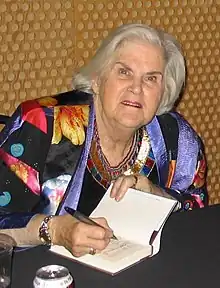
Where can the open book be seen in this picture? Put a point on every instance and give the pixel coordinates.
(137, 221)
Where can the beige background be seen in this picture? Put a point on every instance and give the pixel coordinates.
(43, 42)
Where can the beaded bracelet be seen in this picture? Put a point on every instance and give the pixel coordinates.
(44, 234)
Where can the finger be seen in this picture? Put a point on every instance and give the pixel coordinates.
(115, 186)
(78, 254)
(100, 233)
(90, 236)
(103, 222)
(99, 245)
(127, 182)
(85, 231)
(81, 251)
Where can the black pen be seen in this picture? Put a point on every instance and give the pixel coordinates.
(79, 216)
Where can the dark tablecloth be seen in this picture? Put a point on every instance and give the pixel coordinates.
(189, 257)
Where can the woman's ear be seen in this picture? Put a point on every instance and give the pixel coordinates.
(95, 86)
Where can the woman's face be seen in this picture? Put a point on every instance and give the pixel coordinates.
(130, 93)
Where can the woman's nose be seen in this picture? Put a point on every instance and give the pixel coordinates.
(135, 87)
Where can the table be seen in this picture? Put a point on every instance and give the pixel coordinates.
(189, 257)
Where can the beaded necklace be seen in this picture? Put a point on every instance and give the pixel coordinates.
(134, 161)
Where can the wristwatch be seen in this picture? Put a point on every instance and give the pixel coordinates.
(44, 234)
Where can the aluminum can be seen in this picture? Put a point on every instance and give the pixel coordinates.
(53, 276)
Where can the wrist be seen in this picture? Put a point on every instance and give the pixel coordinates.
(59, 227)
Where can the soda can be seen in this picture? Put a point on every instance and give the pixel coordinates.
(53, 276)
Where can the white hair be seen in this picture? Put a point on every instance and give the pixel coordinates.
(174, 75)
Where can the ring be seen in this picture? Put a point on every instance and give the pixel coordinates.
(135, 181)
(92, 251)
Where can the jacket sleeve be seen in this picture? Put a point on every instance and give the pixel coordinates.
(195, 195)
(185, 166)
(24, 144)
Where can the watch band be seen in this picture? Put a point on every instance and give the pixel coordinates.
(44, 234)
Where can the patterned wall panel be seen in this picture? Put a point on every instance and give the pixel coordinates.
(43, 42)
(36, 49)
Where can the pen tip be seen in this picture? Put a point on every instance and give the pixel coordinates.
(114, 237)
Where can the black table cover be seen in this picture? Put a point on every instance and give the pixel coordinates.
(189, 257)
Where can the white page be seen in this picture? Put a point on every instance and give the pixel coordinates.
(136, 216)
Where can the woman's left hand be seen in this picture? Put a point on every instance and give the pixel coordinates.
(137, 181)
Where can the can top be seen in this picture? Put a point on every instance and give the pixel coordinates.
(51, 272)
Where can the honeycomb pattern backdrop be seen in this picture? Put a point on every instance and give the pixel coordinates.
(43, 42)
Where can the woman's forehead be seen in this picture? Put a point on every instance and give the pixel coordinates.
(140, 53)
(138, 47)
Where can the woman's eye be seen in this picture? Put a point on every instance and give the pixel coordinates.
(151, 79)
(123, 71)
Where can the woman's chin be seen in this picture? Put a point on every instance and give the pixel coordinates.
(130, 123)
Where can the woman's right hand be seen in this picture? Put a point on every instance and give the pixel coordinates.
(79, 238)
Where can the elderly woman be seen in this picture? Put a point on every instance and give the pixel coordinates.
(115, 126)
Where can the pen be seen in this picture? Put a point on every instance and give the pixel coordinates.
(84, 218)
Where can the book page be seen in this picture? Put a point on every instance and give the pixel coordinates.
(120, 249)
(136, 216)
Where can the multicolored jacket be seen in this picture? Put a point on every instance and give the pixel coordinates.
(44, 150)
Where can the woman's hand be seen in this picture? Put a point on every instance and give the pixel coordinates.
(137, 181)
(80, 238)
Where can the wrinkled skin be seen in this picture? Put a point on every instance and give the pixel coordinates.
(79, 237)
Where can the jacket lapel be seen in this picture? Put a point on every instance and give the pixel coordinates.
(159, 150)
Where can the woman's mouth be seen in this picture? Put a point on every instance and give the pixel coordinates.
(132, 104)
